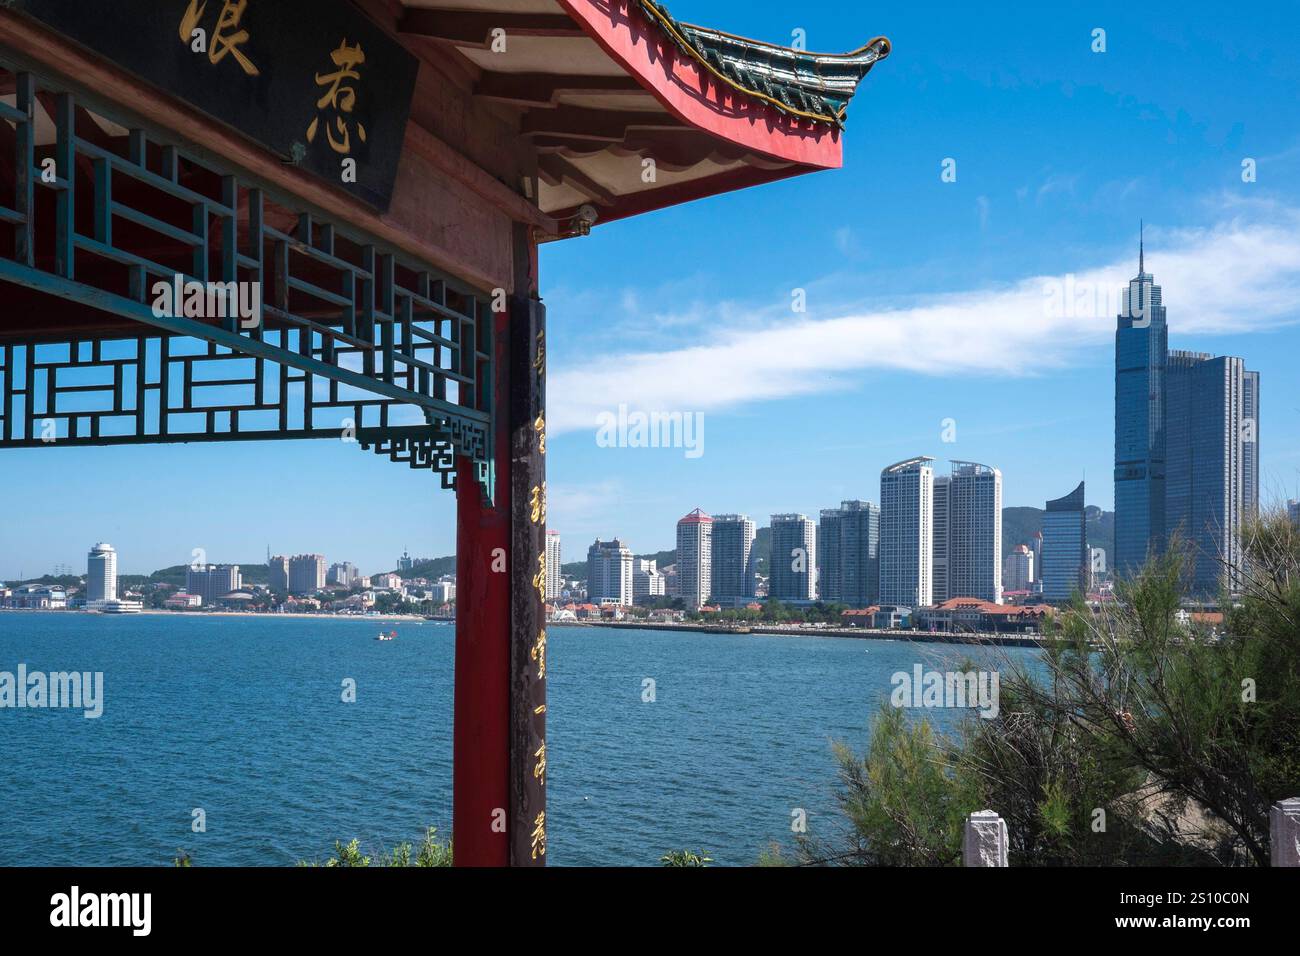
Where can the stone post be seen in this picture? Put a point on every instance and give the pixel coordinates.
(985, 840)
(1284, 832)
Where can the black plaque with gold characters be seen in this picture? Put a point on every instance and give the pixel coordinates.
(314, 81)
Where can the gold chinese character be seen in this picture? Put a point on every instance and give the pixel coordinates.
(539, 710)
(539, 770)
(539, 835)
(537, 501)
(226, 38)
(539, 579)
(539, 427)
(341, 98)
(539, 363)
(538, 654)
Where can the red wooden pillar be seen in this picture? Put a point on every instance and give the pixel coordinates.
(499, 753)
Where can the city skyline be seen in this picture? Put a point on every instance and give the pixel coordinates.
(935, 312)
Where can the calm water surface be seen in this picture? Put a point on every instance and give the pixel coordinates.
(242, 717)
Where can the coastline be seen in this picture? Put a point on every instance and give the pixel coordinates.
(861, 634)
(296, 615)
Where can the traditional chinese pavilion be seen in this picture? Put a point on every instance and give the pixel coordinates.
(235, 220)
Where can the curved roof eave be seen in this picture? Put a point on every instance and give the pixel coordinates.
(783, 103)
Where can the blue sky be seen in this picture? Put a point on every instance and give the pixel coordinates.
(926, 300)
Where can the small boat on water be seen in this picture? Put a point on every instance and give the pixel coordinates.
(390, 636)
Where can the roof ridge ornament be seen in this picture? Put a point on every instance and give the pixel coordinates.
(812, 86)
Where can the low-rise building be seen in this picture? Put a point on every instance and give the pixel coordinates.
(972, 615)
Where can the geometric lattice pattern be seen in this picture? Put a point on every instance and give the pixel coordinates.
(351, 339)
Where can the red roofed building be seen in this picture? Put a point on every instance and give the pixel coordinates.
(964, 614)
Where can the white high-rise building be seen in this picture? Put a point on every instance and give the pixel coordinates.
(973, 549)
(554, 566)
(733, 557)
(695, 558)
(907, 533)
(1018, 569)
(609, 573)
(647, 580)
(792, 568)
(101, 574)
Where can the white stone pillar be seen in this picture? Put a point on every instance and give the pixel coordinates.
(985, 840)
(1284, 832)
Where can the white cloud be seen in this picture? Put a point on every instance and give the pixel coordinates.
(1238, 276)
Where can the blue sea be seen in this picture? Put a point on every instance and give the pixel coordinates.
(242, 718)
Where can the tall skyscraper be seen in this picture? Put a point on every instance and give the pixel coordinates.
(609, 573)
(733, 557)
(1065, 547)
(792, 568)
(1036, 546)
(1141, 350)
(212, 582)
(973, 546)
(907, 533)
(1293, 509)
(306, 573)
(848, 554)
(695, 558)
(101, 573)
(1207, 494)
(1186, 446)
(554, 566)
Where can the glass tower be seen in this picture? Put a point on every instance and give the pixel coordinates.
(1141, 355)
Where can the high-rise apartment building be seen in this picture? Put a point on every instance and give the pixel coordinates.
(554, 566)
(733, 569)
(277, 573)
(939, 532)
(792, 567)
(1018, 569)
(907, 533)
(1065, 547)
(970, 536)
(345, 574)
(609, 573)
(647, 580)
(695, 558)
(306, 573)
(101, 573)
(1293, 509)
(848, 554)
(212, 582)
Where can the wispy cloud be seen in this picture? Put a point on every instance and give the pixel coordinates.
(1240, 275)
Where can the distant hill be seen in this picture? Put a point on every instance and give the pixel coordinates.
(433, 568)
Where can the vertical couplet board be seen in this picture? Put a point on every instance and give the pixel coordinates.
(528, 590)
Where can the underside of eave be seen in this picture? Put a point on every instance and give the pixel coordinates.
(629, 110)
